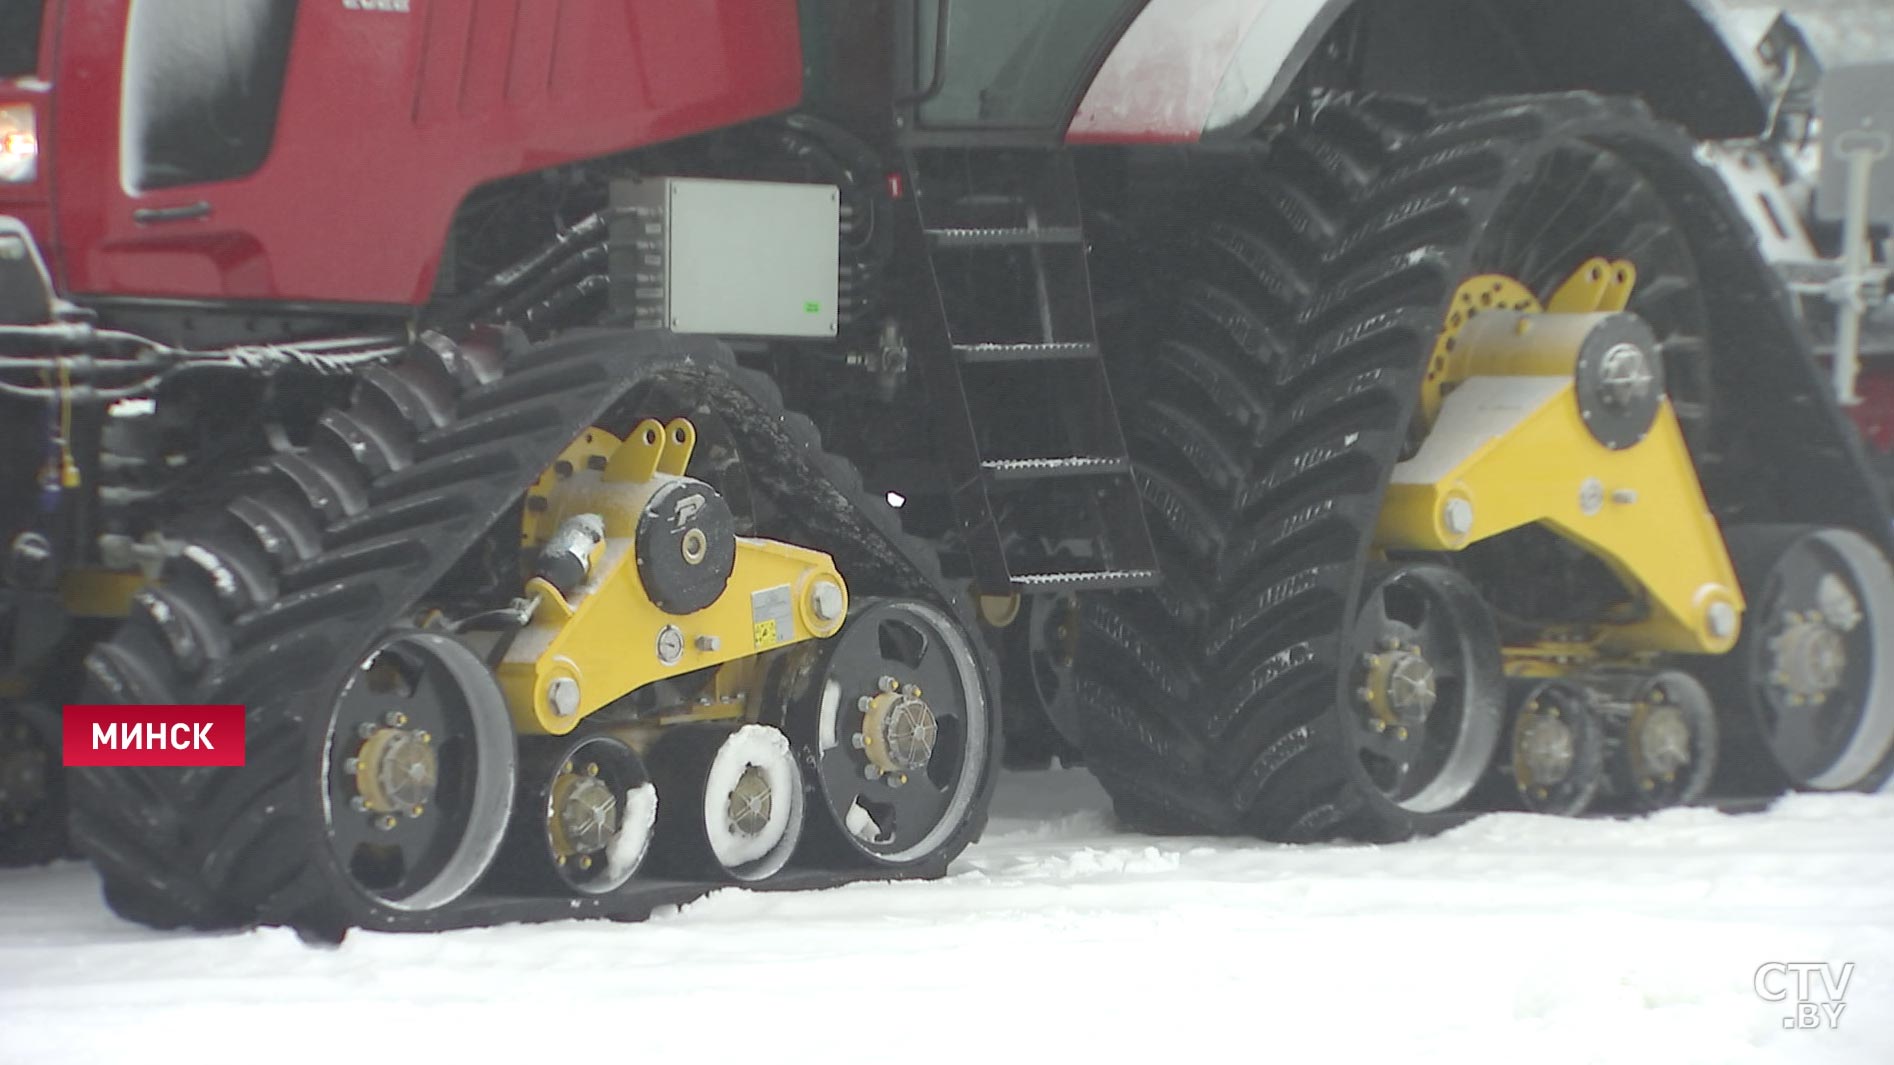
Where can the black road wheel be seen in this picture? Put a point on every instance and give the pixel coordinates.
(1275, 388)
(1665, 752)
(418, 763)
(895, 731)
(1557, 748)
(1428, 687)
(730, 802)
(1039, 651)
(1808, 691)
(32, 785)
(583, 820)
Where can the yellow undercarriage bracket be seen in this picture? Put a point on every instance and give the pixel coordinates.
(1561, 419)
(639, 576)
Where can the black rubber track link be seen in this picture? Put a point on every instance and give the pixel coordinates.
(278, 593)
(32, 785)
(1278, 398)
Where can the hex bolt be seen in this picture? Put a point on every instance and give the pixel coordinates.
(416, 811)
(708, 644)
(864, 704)
(367, 729)
(424, 735)
(396, 719)
(1624, 496)
(1591, 496)
(890, 685)
(826, 601)
(1721, 618)
(857, 741)
(871, 771)
(351, 765)
(358, 804)
(1457, 516)
(562, 695)
(387, 822)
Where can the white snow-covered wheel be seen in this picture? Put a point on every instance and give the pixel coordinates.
(733, 806)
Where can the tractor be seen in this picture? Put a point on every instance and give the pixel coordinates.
(611, 450)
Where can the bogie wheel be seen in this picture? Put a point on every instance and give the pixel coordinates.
(1808, 690)
(1040, 649)
(1557, 748)
(1429, 691)
(1275, 386)
(731, 806)
(418, 767)
(895, 728)
(32, 786)
(584, 819)
(1666, 745)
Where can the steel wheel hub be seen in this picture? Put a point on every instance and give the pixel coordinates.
(397, 770)
(899, 729)
(1809, 658)
(750, 804)
(1546, 746)
(1625, 376)
(1664, 741)
(1400, 686)
(587, 813)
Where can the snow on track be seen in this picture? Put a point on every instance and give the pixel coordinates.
(1514, 938)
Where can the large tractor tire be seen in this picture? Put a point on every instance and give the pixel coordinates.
(1279, 388)
(297, 598)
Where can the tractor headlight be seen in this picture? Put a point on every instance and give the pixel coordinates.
(19, 144)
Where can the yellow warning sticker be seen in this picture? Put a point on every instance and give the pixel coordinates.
(772, 616)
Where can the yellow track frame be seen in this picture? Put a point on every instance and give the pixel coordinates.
(603, 640)
(1508, 447)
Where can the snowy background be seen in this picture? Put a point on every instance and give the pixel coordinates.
(1528, 940)
(1514, 938)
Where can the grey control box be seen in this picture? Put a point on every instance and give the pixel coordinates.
(729, 258)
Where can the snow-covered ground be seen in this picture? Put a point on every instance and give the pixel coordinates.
(1515, 938)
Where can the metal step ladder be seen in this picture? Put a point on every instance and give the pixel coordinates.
(1043, 489)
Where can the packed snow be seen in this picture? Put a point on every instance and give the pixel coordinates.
(1514, 938)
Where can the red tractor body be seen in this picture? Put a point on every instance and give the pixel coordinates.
(387, 119)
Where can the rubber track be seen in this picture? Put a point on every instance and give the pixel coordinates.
(1278, 401)
(275, 595)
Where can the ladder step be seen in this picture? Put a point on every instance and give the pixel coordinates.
(1003, 236)
(1037, 469)
(1037, 352)
(1087, 579)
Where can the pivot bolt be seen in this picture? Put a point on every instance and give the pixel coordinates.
(826, 601)
(1457, 516)
(562, 694)
(1721, 618)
